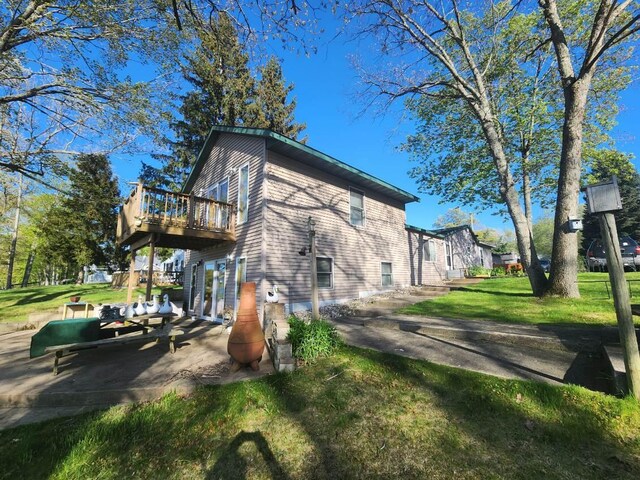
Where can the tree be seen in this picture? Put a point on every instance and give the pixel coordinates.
(455, 56)
(272, 94)
(604, 164)
(91, 212)
(224, 92)
(543, 236)
(60, 81)
(454, 217)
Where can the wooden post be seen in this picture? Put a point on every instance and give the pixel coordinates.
(132, 271)
(315, 309)
(152, 247)
(622, 302)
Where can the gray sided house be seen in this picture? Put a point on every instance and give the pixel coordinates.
(427, 256)
(276, 184)
(464, 250)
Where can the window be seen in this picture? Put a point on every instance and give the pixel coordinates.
(449, 256)
(387, 274)
(356, 206)
(241, 276)
(325, 272)
(430, 254)
(243, 194)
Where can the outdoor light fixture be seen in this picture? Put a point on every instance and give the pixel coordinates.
(200, 262)
(303, 251)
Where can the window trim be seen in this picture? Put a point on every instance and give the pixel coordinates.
(193, 291)
(382, 274)
(238, 219)
(364, 212)
(331, 273)
(237, 284)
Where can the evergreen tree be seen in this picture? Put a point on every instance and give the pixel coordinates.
(91, 208)
(604, 164)
(271, 97)
(224, 92)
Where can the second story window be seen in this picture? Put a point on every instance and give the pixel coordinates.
(243, 194)
(356, 207)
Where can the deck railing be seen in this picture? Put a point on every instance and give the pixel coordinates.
(149, 205)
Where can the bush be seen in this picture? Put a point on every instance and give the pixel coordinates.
(310, 340)
(476, 270)
(498, 272)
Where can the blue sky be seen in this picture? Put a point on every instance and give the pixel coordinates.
(325, 88)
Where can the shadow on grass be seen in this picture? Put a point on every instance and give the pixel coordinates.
(232, 464)
(498, 293)
(363, 414)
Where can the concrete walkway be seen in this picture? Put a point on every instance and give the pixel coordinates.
(98, 378)
(544, 353)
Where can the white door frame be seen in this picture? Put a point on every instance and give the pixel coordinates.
(214, 291)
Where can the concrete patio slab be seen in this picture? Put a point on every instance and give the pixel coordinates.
(96, 378)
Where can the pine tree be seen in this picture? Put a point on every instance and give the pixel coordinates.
(91, 207)
(271, 93)
(224, 93)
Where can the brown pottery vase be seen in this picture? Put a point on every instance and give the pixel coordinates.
(246, 340)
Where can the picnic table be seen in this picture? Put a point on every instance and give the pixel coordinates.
(64, 337)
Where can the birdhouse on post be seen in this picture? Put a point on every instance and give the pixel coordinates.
(603, 197)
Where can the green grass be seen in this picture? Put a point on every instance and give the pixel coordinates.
(510, 300)
(357, 414)
(16, 304)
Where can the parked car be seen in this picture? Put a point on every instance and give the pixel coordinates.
(629, 248)
(545, 263)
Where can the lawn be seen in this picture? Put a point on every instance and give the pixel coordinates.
(16, 304)
(358, 414)
(510, 300)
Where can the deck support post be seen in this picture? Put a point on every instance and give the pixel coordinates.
(152, 247)
(132, 282)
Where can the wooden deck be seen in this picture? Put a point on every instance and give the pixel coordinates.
(176, 220)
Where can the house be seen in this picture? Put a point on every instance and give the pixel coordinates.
(244, 215)
(278, 185)
(427, 256)
(464, 250)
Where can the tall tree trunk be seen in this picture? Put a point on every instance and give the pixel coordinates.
(14, 238)
(526, 189)
(564, 259)
(524, 237)
(28, 266)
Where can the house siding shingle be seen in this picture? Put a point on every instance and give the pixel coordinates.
(425, 272)
(227, 156)
(297, 191)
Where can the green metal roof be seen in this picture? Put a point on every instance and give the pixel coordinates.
(304, 154)
(431, 233)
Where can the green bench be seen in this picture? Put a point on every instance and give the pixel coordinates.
(63, 337)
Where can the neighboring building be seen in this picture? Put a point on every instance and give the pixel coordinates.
(464, 250)
(427, 256)
(277, 184)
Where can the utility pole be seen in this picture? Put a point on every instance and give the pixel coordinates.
(315, 310)
(603, 199)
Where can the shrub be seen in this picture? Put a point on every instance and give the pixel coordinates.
(498, 272)
(475, 270)
(310, 340)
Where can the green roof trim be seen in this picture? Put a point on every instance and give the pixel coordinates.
(431, 233)
(320, 160)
